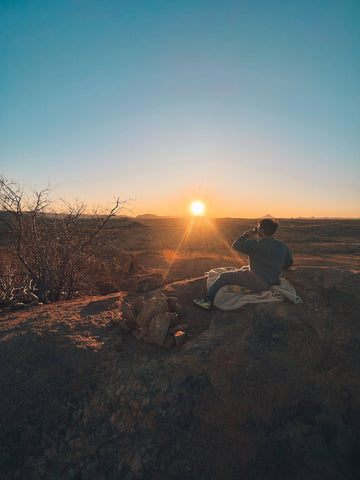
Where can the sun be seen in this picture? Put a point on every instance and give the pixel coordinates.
(197, 208)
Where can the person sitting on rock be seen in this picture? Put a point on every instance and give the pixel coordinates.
(267, 258)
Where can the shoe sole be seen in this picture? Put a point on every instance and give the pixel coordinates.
(201, 305)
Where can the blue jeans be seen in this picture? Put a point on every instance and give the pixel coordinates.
(243, 278)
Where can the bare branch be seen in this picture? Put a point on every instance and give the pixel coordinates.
(51, 249)
(119, 205)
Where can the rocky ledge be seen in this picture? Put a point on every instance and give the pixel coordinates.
(270, 391)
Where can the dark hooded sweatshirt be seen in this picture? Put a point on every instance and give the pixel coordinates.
(267, 256)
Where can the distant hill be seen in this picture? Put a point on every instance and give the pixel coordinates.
(136, 225)
(145, 216)
(149, 216)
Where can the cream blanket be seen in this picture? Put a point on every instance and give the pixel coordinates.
(229, 298)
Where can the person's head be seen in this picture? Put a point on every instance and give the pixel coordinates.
(267, 227)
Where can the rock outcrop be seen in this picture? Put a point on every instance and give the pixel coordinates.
(267, 392)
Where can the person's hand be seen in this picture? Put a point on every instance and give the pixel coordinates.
(250, 233)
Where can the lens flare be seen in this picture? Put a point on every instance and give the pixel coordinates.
(201, 239)
(197, 208)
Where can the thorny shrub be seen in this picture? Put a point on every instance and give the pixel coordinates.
(47, 254)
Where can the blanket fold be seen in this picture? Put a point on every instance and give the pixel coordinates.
(229, 298)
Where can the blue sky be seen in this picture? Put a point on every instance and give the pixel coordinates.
(250, 106)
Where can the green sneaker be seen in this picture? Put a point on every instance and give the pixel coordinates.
(203, 303)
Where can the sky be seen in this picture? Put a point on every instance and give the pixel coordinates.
(250, 106)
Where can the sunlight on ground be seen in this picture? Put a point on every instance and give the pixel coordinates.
(201, 233)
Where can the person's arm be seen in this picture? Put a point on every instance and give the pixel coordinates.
(288, 261)
(245, 243)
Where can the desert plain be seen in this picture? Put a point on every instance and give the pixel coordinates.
(189, 247)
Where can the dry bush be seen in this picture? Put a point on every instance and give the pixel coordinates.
(11, 277)
(54, 252)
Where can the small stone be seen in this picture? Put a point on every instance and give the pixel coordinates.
(178, 327)
(152, 282)
(143, 335)
(127, 311)
(171, 303)
(159, 326)
(128, 316)
(180, 338)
